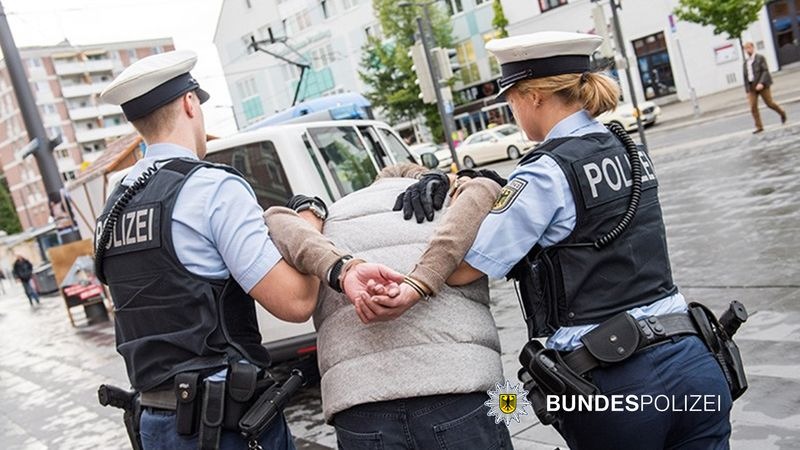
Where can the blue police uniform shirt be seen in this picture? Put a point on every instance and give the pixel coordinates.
(544, 212)
(217, 225)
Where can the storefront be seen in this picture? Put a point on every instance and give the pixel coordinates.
(476, 108)
(784, 17)
(655, 69)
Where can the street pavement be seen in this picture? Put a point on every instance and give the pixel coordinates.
(732, 214)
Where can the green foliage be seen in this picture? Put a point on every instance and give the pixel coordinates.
(9, 221)
(386, 66)
(726, 16)
(499, 22)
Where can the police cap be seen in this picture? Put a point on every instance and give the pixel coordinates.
(152, 82)
(540, 55)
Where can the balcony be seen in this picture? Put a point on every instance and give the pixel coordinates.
(73, 68)
(82, 90)
(91, 112)
(98, 134)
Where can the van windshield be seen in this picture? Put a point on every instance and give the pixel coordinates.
(261, 167)
(345, 156)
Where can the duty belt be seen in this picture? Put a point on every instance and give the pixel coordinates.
(609, 345)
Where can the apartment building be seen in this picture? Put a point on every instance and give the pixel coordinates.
(66, 81)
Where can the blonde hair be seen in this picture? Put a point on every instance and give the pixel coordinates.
(158, 122)
(595, 92)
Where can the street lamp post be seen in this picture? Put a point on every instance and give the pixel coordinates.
(434, 71)
(624, 54)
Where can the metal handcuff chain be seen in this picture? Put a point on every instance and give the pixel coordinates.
(113, 217)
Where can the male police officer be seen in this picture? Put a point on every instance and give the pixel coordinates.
(183, 247)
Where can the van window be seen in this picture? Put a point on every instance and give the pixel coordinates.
(346, 158)
(262, 168)
(396, 148)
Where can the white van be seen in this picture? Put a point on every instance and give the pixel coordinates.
(326, 159)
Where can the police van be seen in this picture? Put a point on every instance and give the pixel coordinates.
(327, 159)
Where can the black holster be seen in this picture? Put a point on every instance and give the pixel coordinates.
(128, 401)
(718, 340)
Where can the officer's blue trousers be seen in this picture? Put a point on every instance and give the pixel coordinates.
(159, 432)
(680, 371)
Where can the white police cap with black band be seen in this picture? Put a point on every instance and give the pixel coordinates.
(540, 55)
(152, 82)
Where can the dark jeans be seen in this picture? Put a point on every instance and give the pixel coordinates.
(679, 369)
(455, 421)
(30, 291)
(159, 433)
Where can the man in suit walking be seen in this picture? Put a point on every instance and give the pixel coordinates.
(757, 82)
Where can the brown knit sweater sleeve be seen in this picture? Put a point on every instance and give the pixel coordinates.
(300, 244)
(456, 233)
(406, 170)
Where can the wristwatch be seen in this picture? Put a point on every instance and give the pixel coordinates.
(336, 271)
(320, 212)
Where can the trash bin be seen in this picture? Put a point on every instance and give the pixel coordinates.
(81, 288)
(45, 279)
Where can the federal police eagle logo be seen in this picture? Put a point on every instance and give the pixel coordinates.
(507, 402)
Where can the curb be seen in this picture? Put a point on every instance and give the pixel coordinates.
(711, 115)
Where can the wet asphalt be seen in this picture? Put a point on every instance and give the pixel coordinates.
(732, 211)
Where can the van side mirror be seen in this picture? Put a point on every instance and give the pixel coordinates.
(430, 160)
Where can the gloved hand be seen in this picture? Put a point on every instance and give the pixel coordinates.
(483, 173)
(301, 202)
(424, 197)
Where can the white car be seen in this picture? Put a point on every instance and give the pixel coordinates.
(327, 159)
(625, 115)
(500, 142)
(441, 152)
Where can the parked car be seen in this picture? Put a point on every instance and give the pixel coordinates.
(328, 159)
(442, 153)
(500, 142)
(625, 115)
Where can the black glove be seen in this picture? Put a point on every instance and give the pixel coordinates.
(302, 202)
(483, 173)
(424, 196)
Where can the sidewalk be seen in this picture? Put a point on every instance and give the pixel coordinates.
(785, 89)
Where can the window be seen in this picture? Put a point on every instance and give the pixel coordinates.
(320, 57)
(455, 6)
(35, 63)
(347, 4)
(480, 2)
(547, 5)
(396, 148)
(324, 6)
(132, 55)
(494, 67)
(247, 40)
(158, 49)
(469, 72)
(261, 167)
(346, 158)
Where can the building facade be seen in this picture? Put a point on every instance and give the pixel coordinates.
(325, 34)
(66, 81)
(669, 59)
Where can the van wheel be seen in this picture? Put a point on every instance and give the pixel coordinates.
(513, 152)
(469, 163)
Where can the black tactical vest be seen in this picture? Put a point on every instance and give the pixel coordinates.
(580, 285)
(169, 320)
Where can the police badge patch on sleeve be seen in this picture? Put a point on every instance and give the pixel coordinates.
(507, 196)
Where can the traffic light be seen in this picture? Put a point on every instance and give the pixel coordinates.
(447, 59)
(427, 92)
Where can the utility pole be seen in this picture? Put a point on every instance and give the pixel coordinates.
(435, 71)
(624, 54)
(41, 144)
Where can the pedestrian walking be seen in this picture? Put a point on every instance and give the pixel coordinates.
(579, 225)
(757, 83)
(23, 271)
(183, 247)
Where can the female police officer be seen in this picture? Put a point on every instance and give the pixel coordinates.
(567, 212)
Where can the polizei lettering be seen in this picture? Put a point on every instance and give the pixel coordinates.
(606, 177)
(135, 230)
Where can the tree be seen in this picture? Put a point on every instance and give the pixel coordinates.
(726, 16)
(499, 22)
(9, 221)
(386, 66)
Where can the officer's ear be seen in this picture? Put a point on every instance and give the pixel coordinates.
(190, 104)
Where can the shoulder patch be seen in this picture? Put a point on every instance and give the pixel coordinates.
(507, 196)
